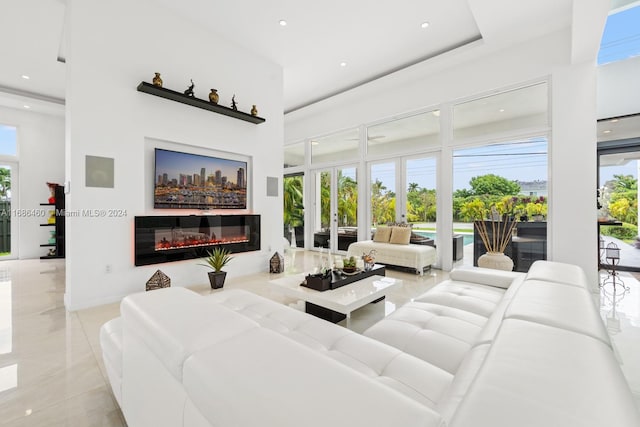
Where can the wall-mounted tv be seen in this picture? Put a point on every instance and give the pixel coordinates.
(195, 181)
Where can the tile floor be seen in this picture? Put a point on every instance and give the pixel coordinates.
(51, 370)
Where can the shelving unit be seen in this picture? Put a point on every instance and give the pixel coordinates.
(58, 226)
(197, 102)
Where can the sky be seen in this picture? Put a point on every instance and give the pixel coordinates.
(8, 140)
(524, 160)
(174, 163)
(621, 38)
(607, 172)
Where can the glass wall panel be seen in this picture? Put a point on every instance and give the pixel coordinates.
(322, 215)
(294, 155)
(404, 135)
(522, 108)
(494, 180)
(337, 147)
(347, 207)
(618, 205)
(383, 193)
(293, 199)
(420, 178)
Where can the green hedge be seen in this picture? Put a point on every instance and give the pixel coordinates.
(624, 232)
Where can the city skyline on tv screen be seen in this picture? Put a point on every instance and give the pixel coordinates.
(195, 181)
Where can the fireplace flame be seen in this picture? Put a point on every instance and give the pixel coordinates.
(194, 242)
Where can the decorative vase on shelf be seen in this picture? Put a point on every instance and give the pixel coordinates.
(254, 110)
(495, 260)
(213, 96)
(157, 81)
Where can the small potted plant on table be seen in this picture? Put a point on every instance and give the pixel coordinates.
(216, 260)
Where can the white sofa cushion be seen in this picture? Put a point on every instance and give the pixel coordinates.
(537, 375)
(412, 377)
(471, 297)
(260, 377)
(485, 276)
(559, 305)
(436, 334)
(173, 323)
(111, 344)
(558, 272)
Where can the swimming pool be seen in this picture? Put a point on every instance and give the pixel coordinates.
(467, 238)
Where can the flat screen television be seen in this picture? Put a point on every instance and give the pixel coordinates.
(195, 181)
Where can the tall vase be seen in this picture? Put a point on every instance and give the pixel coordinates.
(495, 260)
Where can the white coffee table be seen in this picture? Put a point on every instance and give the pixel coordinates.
(342, 301)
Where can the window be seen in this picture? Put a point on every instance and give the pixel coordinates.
(621, 37)
(294, 155)
(337, 147)
(523, 108)
(408, 134)
(8, 145)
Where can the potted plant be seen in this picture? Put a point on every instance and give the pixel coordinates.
(216, 260)
(495, 232)
(537, 209)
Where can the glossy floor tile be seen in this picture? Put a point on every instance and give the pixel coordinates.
(51, 369)
(620, 310)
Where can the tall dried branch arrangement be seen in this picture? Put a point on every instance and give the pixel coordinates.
(500, 235)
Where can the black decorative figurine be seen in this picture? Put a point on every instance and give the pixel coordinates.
(234, 105)
(189, 91)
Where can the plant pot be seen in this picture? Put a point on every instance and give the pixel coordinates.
(217, 279)
(495, 260)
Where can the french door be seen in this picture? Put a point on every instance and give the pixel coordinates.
(404, 190)
(335, 208)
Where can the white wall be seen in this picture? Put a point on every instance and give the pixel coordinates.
(480, 69)
(109, 54)
(619, 88)
(41, 159)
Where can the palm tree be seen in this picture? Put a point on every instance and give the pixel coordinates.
(5, 182)
(347, 200)
(293, 206)
(383, 203)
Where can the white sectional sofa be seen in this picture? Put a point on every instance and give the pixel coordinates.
(485, 348)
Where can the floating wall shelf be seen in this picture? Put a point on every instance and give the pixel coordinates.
(197, 102)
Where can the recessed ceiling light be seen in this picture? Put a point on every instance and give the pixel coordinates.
(343, 64)
(606, 131)
(425, 24)
(27, 106)
(614, 120)
(282, 23)
(436, 113)
(24, 76)
(501, 110)
(315, 143)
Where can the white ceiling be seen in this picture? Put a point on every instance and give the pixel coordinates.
(373, 38)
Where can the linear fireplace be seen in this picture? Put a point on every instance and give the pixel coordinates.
(161, 239)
